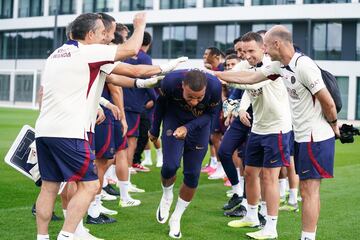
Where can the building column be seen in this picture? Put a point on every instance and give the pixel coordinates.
(46, 7)
(116, 5)
(199, 3)
(247, 3)
(352, 98)
(79, 6)
(156, 5)
(16, 9)
(299, 2)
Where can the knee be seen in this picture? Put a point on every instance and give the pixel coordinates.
(269, 176)
(91, 187)
(168, 171)
(223, 154)
(191, 179)
(309, 189)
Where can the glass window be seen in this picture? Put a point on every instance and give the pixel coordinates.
(358, 99)
(327, 41)
(23, 88)
(326, 1)
(8, 45)
(4, 87)
(179, 41)
(134, 5)
(343, 83)
(225, 35)
(6, 8)
(64, 7)
(30, 8)
(266, 26)
(358, 41)
(173, 4)
(223, 3)
(98, 6)
(272, 2)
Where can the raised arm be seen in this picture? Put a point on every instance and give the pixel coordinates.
(241, 77)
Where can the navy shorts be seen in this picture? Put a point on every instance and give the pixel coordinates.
(104, 139)
(269, 151)
(193, 150)
(133, 121)
(292, 143)
(91, 140)
(120, 141)
(65, 159)
(315, 160)
(217, 123)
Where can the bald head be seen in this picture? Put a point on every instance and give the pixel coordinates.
(279, 32)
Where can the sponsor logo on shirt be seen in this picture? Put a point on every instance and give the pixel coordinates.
(292, 93)
(256, 93)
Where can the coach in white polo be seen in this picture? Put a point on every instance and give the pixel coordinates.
(63, 152)
(314, 118)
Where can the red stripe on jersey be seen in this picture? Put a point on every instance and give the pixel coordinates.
(273, 76)
(94, 71)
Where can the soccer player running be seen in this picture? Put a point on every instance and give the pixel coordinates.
(188, 101)
(314, 118)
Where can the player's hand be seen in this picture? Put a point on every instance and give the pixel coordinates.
(139, 20)
(149, 82)
(152, 137)
(100, 116)
(114, 110)
(245, 118)
(228, 120)
(336, 130)
(172, 64)
(180, 132)
(149, 104)
(124, 125)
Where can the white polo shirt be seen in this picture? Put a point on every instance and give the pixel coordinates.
(69, 75)
(302, 82)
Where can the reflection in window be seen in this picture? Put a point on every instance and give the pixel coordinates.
(266, 26)
(272, 2)
(357, 117)
(327, 41)
(30, 8)
(326, 1)
(173, 4)
(134, 5)
(98, 6)
(225, 35)
(358, 41)
(6, 8)
(4, 87)
(179, 41)
(343, 83)
(23, 88)
(223, 3)
(64, 7)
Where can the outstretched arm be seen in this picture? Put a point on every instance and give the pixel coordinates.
(241, 77)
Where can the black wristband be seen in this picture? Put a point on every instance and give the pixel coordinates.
(135, 85)
(332, 122)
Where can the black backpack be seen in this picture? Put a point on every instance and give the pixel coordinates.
(331, 85)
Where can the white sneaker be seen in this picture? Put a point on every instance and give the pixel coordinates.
(174, 228)
(130, 202)
(107, 197)
(134, 189)
(107, 211)
(229, 193)
(163, 210)
(218, 174)
(147, 162)
(262, 235)
(159, 160)
(84, 235)
(132, 170)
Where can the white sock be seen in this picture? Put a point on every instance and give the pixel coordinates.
(270, 226)
(308, 235)
(105, 182)
(293, 192)
(244, 203)
(180, 208)
(237, 189)
(238, 173)
(129, 176)
(282, 187)
(213, 162)
(158, 152)
(80, 228)
(65, 236)
(242, 184)
(252, 213)
(64, 213)
(124, 190)
(263, 209)
(93, 210)
(168, 191)
(147, 154)
(42, 237)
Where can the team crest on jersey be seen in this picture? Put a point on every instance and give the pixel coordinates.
(293, 79)
(169, 132)
(112, 150)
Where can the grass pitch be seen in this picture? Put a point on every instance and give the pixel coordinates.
(203, 219)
